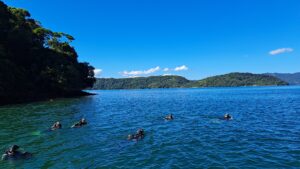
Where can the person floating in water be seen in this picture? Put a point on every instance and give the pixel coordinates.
(56, 125)
(227, 116)
(13, 153)
(169, 117)
(81, 123)
(140, 134)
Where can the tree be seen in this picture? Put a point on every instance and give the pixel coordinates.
(35, 61)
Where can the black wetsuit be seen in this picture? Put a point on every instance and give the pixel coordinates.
(56, 127)
(16, 155)
(138, 135)
(80, 124)
(228, 117)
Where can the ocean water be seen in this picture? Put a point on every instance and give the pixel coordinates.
(264, 132)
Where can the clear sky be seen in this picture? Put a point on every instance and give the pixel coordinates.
(192, 38)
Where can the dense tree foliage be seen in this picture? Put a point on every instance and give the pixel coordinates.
(141, 82)
(36, 62)
(228, 80)
(238, 79)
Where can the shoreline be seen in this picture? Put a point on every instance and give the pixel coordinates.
(204, 87)
(14, 100)
(88, 92)
(235, 79)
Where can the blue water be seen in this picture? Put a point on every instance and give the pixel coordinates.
(264, 132)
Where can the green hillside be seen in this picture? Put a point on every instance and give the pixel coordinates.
(141, 82)
(238, 79)
(227, 80)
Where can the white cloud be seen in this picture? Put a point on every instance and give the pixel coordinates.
(97, 72)
(139, 73)
(280, 50)
(136, 73)
(181, 68)
(166, 69)
(152, 70)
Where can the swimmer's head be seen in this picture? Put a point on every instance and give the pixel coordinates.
(14, 148)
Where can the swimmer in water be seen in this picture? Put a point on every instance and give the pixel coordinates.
(169, 117)
(140, 134)
(227, 116)
(81, 123)
(56, 125)
(13, 154)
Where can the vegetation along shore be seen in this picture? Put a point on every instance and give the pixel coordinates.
(227, 80)
(37, 63)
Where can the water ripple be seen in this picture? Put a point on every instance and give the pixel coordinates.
(265, 131)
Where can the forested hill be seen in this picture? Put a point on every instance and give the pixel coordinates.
(141, 82)
(291, 78)
(227, 80)
(238, 79)
(35, 62)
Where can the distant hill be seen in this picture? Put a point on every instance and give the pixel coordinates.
(238, 79)
(141, 82)
(291, 78)
(227, 80)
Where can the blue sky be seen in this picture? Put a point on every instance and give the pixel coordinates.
(192, 38)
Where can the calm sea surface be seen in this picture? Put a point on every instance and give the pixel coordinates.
(265, 131)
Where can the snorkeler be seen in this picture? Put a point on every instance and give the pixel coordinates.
(227, 116)
(14, 154)
(139, 135)
(56, 125)
(81, 123)
(169, 117)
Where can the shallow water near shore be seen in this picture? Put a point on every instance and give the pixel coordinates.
(264, 132)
